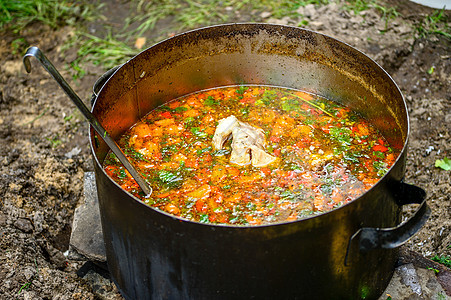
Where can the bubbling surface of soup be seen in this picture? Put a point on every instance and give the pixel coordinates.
(322, 155)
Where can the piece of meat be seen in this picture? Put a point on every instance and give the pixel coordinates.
(223, 131)
(260, 158)
(248, 142)
(245, 137)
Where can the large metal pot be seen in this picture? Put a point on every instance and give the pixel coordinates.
(348, 253)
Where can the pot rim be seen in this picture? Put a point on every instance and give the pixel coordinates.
(114, 70)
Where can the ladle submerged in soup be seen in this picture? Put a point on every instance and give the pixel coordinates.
(250, 155)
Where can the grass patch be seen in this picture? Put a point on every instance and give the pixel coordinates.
(444, 260)
(280, 9)
(54, 141)
(117, 48)
(357, 6)
(189, 14)
(201, 13)
(107, 52)
(435, 23)
(147, 14)
(16, 15)
(387, 12)
(186, 14)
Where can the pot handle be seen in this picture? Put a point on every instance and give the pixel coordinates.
(388, 238)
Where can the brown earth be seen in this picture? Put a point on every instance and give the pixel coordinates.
(44, 149)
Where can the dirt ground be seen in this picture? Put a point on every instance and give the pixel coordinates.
(44, 149)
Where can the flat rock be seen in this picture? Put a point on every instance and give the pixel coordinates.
(87, 236)
(417, 277)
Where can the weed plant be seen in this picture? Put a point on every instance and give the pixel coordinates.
(387, 11)
(435, 23)
(16, 15)
(444, 260)
(107, 52)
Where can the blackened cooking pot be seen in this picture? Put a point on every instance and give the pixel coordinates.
(348, 253)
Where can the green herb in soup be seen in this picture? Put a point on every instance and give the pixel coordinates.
(251, 155)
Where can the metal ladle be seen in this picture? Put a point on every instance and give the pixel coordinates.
(37, 53)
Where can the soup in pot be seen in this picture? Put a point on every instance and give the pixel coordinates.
(251, 155)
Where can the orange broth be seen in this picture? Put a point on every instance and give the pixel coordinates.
(327, 155)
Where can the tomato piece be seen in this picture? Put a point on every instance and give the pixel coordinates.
(246, 100)
(157, 156)
(110, 170)
(206, 158)
(380, 148)
(291, 174)
(222, 218)
(369, 166)
(274, 138)
(165, 122)
(212, 218)
(192, 163)
(390, 158)
(201, 206)
(266, 171)
(166, 115)
(326, 128)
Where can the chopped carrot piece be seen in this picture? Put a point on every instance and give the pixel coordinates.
(174, 104)
(166, 115)
(274, 139)
(202, 192)
(362, 129)
(201, 206)
(172, 209)
(191, 113)
(292, 217)
(266, 171)
(235, 198)
(390, 158)
(194, 102)
(142, 130)
(110, 170)
(233, 172)
(163, 195)
(380, 148)
(164, 122)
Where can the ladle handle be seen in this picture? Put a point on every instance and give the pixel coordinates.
(37, 53)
